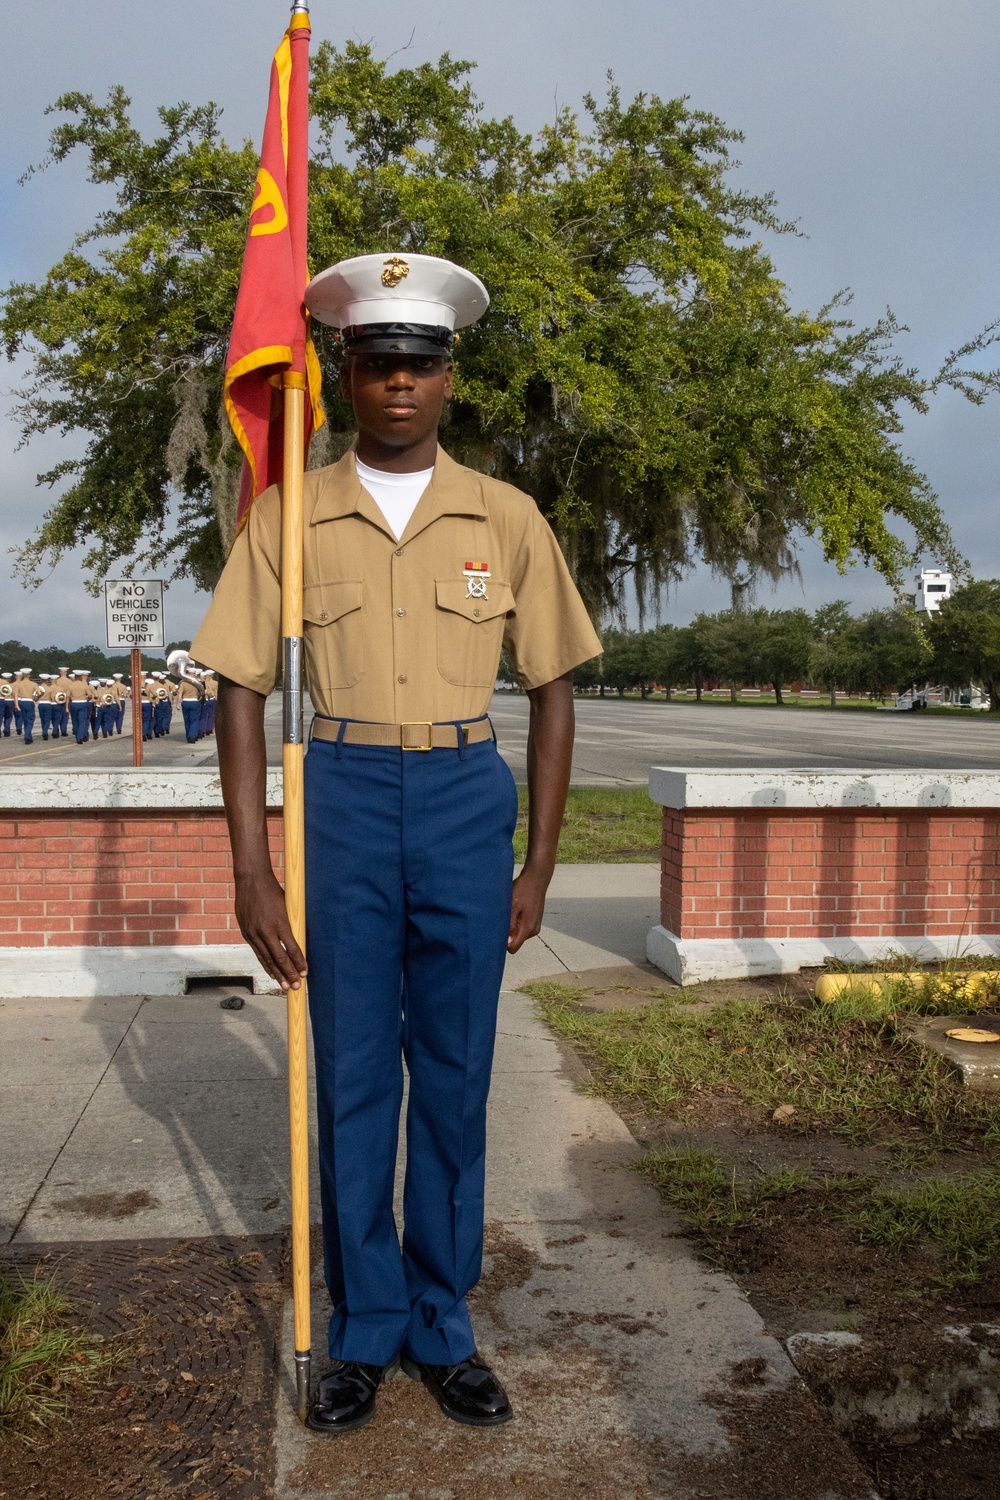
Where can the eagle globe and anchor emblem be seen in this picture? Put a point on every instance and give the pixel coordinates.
(394, 271)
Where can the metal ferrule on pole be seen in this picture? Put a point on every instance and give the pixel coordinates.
(303, 1381)
(291, 698)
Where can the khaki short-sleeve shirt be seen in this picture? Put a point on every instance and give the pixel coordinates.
(397, 631)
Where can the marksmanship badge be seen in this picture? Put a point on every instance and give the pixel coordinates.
(477, 574)
(395, 271)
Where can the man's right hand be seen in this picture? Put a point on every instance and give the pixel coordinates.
(263, 919)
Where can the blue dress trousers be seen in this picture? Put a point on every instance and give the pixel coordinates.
(409, 868)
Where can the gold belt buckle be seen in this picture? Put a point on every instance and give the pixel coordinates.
(417, 724)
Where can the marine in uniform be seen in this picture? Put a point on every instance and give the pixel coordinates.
(61, 697)
(26, 694)
(79, 705)
(191, 696)
(6, 703)
(416, 572)
(93, 696)
(211, 699)
(148, 705)
(161, 704)
(19, 677)
(121, 693)
(46, 704)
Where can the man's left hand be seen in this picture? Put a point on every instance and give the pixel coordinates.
(527, 908)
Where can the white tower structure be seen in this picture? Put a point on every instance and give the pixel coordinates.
(933, 587)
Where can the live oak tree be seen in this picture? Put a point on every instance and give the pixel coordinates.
(833, 656)
(640, 370)
(883, 651)
(965, 638)
(784, 649)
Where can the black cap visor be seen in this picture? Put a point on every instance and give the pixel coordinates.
(398, 338)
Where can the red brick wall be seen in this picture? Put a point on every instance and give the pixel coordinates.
(808, 873)
(118, 878)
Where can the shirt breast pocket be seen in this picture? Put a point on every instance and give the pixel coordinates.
(334, 633)
(470, 631)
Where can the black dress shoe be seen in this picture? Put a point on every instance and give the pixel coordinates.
(468, 1392)
(345, 1397)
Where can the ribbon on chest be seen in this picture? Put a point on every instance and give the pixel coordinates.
(477, 574)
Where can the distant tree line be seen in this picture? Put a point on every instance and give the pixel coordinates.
(882, 652)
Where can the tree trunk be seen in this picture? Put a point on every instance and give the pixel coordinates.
(833, 697)
(734, 695)
(697, 692)
(779, 700)
(602, 689)
(668, 693)
(993, 690)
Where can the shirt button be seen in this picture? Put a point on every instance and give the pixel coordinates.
(401, 613)
(477, 612)
(399, 551)
(401, 677)
(324, 615)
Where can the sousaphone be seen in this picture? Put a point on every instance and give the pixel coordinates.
(6, 691)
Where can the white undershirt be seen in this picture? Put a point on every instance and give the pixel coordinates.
(396, 495)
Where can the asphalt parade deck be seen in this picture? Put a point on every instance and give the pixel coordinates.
(617, 741)
(627, 1360)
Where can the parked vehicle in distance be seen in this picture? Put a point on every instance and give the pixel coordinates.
(924, 697)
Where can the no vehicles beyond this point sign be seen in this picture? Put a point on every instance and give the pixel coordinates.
(135, 613)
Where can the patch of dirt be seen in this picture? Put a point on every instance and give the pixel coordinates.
(510, 1264)
(936, 1468)
(186, 1410)
(635, 986)
(108, 1205)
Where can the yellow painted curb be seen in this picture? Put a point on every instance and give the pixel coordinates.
(829, 986)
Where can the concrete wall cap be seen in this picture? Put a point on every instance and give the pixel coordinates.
(126, 790)
(673, 786)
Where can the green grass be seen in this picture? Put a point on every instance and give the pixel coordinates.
(43, 1356)
(766, 700)
(958, 1216)
(941, 992)
(895, 961)
(601, 826)
(849, 1066)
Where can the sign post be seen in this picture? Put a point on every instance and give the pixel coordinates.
(137, 682)
(134, 609)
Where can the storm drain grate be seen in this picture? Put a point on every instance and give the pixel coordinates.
(198, 1324)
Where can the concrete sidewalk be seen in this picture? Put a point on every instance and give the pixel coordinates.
(626, 1359)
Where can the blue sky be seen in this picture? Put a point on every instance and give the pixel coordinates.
(876, 124)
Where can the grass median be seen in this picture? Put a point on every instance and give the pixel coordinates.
(798, 1136)
(601, 826)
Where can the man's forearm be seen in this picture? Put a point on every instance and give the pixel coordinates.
(550, 758)
(260, 901)
(243, 770)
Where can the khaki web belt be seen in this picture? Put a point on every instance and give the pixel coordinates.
(417, 735)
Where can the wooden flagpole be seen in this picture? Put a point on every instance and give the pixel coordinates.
(293, 751)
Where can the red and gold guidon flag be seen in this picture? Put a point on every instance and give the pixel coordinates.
(271, 326)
